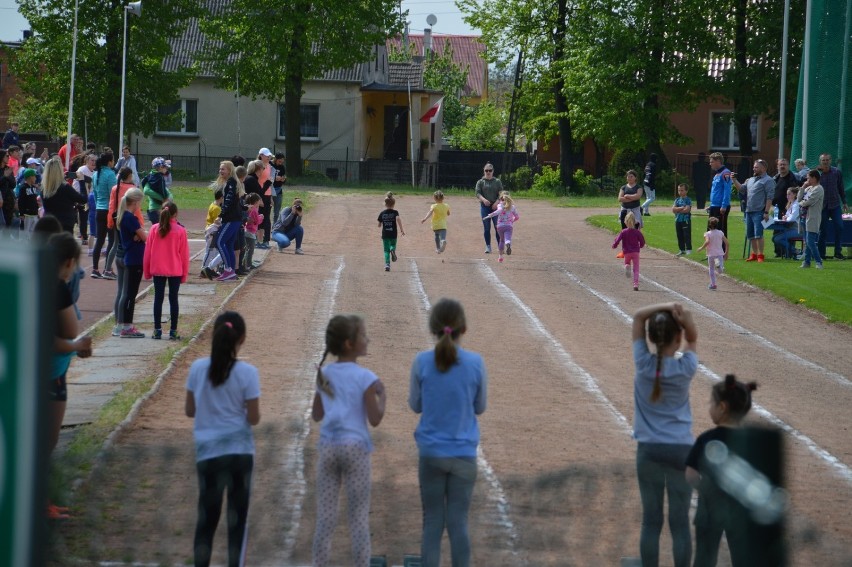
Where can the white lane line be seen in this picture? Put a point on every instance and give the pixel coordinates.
(844, 471)
(587, 381)
(496, 494)
(763, 341)
(293, 463)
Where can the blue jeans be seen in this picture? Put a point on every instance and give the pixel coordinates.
(225, 243)
(811, 248)
(486, 224)
(440, 234)
(154, 216)
(283, 238)
(836, 216)
(660, 468)
(782, 239)
(754, 224)
(446, 487)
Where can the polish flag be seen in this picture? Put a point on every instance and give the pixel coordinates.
(431, 115)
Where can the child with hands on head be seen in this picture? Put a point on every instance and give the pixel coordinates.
(632, 241)
(662, 424)
(438, 213)
(717, 512)
(223, 396)
(506, 216)
(348, 396)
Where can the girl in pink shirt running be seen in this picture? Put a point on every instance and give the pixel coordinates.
(716, 254)
(632, 241)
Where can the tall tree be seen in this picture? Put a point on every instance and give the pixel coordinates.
(43, 66)
(273, 46)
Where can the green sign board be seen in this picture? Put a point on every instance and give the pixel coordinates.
(25, 342)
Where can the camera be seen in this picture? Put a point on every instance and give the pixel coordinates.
(298, 207)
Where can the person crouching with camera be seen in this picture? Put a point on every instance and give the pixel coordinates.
(288, 227)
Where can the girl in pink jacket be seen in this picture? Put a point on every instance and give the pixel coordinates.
(167, 261)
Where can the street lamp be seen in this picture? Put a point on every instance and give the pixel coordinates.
(134, 8)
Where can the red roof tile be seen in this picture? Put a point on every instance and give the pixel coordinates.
(467, 51)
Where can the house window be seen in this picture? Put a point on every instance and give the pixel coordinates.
(180, 118)
(723, 132)
(308, 122)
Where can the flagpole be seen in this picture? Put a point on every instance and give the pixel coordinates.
(411, 131)
(68, 149)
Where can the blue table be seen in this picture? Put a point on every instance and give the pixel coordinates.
(846, 237)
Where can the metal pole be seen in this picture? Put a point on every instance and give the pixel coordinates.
(123, 78)
(411, 132)
(783, 103)
(844, 79)
(71, 97)
(806, 91)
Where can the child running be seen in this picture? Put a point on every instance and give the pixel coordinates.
(166, 259)
(389, 220)
(506, 216)
(439, 213)
(717, 512)
(632, 241)
(682, 210)
(347, 397)
(716, 244)
(223, 395)
(133, 238)
(662, 425)
(449, 388)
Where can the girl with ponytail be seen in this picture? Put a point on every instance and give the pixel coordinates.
(662, 424)
(347, 397)
(223, 395)
(167, 262)
(449, 388)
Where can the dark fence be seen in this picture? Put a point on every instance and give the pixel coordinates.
(464, 168)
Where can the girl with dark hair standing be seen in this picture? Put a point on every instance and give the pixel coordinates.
(167, 261)
(449, 388)
(347, 397)
(663, 425)
(103, 180)
(223, 395)
(718, 513)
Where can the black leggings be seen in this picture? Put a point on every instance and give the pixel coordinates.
(159, 296)
(231, 472)
(266, 225)
(133, 277)
(103, 234)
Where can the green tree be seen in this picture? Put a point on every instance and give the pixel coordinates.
(42, 66)
(272, 46)
(482, 129)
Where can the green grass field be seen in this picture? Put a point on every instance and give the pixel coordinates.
(828, 291)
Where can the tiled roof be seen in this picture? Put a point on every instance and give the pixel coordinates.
(400, 74)
(467, 51)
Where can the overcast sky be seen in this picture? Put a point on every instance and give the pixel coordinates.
(449, 18)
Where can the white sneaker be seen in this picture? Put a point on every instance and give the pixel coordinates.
(299, 251)
(116, 330)
(688, 252)
(443, 246)
(488, 249)
(627, 270)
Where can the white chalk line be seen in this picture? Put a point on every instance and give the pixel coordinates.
(294, 461)
(495, 492)
(587, 381)
(821, 453)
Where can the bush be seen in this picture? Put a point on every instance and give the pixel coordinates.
(548, 181)
(519, 180)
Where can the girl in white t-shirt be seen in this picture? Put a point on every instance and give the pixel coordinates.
(347, 397)
(223, 395)
(717, 250)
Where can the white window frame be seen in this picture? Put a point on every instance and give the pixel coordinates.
(183, 131)
(282, 135)
(732, 132)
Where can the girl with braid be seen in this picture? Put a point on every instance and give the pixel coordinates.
(347, 397)
(662, 425)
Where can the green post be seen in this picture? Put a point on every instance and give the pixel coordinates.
(27, 285)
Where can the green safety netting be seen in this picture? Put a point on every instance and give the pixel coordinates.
(826, 59)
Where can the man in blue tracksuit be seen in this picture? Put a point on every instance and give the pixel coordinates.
(720, 192)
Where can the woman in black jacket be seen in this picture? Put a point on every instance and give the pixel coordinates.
(58, 198)
(231, 215)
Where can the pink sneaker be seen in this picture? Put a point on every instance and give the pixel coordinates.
(227, 276)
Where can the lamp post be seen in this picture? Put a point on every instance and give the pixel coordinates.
(134, 8)
(71, 95)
